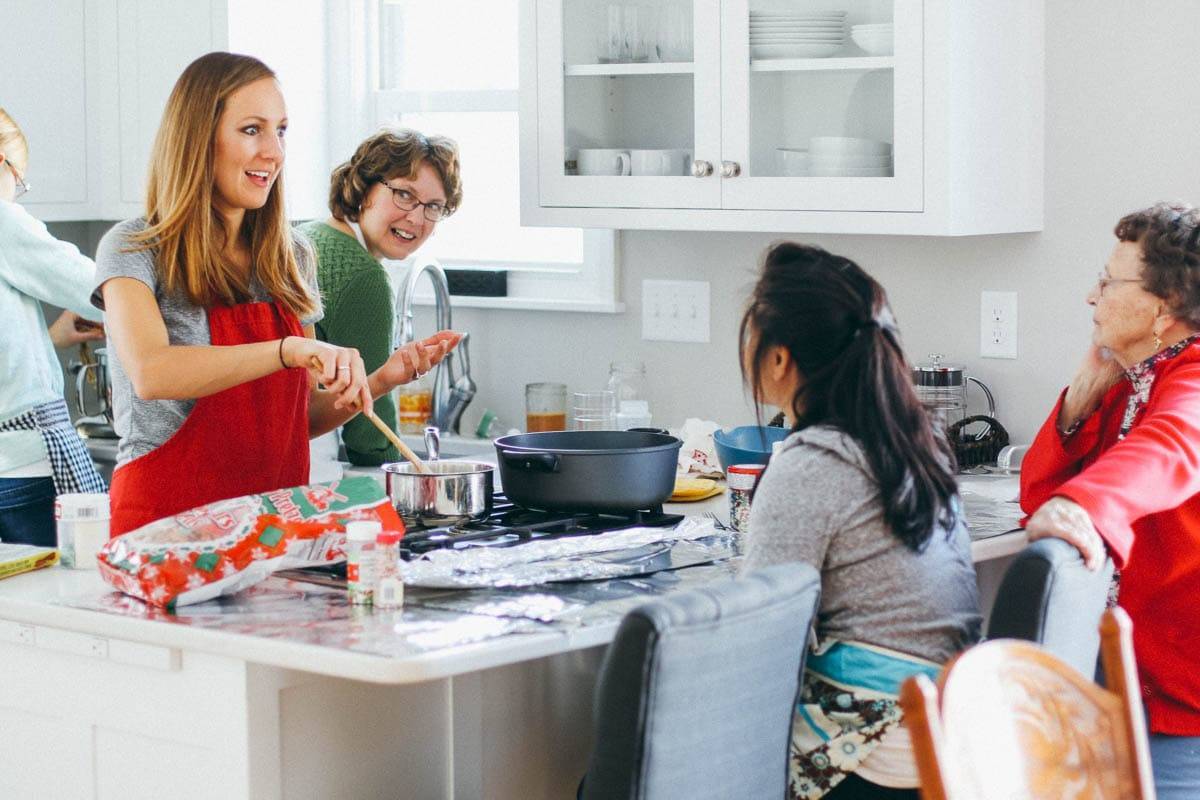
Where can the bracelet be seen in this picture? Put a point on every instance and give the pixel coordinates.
(281, 361)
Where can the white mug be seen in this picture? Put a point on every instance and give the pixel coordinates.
(660, 162)
(602, 161)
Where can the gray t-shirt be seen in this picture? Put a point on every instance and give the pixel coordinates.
(145, 424)
(819, 503)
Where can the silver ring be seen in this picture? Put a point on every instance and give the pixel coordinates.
(343, 368)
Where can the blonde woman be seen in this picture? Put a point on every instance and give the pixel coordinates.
(385, 202)
(210, 303)
(41, 455)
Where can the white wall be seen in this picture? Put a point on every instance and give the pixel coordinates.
(1122, 124)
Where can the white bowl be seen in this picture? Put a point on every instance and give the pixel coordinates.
(857, 162)
(879, 26)
(756, 16)
(818, 171)
(847, 146)
(792, 162)
(874, 45)
(796, 38)
(796, 50)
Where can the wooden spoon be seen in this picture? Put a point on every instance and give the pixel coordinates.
(404, 449)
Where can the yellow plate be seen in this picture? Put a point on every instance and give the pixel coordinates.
(692, 497)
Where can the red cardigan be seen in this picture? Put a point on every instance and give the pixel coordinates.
(1143, 494)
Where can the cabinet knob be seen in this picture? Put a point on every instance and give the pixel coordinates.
(730, 169)
(702, 169)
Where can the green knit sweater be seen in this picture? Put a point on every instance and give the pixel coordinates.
(358, 313)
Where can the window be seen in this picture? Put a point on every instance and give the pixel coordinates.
(451, 67)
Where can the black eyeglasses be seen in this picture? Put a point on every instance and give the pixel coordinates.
(434, 210)
(22, 185)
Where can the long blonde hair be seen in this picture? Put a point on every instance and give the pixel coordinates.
(12, 141)
(183, 227)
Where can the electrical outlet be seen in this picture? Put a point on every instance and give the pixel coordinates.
(675, 311)
(998, 324)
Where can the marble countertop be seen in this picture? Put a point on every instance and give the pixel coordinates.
(438, 634)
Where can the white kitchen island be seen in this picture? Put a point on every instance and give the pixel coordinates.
(285, 691)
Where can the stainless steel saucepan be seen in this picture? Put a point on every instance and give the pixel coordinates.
(455, 492)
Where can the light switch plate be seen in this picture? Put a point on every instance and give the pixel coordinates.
(675, 311)
(998, 325)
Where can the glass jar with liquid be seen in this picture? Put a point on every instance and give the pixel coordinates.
(414, 405)
(545, 407)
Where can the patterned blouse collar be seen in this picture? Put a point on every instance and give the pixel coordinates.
(1141, 377)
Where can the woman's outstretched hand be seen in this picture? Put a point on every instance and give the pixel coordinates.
(339, 369)
(1065, 519)
(414, 359)
(1096, 375)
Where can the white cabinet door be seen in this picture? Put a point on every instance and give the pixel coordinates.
(45, 89)
(625, 106)
(790, 87)
(157, 39)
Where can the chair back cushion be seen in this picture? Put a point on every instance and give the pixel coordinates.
(696, 692)
(1048, 596)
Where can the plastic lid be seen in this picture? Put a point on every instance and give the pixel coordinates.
(746, 469)
(388, 537)
(362, 530)
(81, 505)
(741, 477)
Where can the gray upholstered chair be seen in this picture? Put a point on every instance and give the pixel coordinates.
(1047, 596)
(696, 693)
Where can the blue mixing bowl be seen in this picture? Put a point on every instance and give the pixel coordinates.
(749, 444)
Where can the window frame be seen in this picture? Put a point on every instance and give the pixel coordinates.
(589, 285)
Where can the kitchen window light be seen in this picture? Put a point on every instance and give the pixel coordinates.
(428, 74)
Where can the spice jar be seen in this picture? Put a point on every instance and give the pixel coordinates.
(360, 560)
(82, 523)
(741, 479)
(389, 588)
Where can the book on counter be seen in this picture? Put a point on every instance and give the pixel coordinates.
(18, 558)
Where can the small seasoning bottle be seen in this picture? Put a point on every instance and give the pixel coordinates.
(389, 589)
(360, 560)
(82, 527)
(741, 479)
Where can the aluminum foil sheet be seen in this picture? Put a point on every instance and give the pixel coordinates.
(633, 551)
(987, 516)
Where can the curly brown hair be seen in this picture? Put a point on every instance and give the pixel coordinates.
(393, 153)
(1169, 234)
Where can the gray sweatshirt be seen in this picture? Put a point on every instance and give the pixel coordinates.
(819, 503)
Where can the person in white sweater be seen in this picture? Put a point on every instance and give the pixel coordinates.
(41, 455)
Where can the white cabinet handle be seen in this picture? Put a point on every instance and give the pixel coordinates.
(702, 169)
(730, 169)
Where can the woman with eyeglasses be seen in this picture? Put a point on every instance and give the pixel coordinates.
(863, 490)
(385, 202)
(1115, 469)
(210, 300)
(41, 455)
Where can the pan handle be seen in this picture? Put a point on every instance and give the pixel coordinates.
(530, 462)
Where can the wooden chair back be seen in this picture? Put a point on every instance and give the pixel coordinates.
(1007, 720)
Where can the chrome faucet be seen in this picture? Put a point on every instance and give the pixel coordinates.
(452, 389)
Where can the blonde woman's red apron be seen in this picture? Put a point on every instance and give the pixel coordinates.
(247, 439)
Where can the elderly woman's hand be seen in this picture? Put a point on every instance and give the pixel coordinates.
(1096, 375)
(1065, 519)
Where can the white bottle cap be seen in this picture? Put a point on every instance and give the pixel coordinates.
(363, 530)
(82, 506)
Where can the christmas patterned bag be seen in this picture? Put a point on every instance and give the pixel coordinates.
(224, 547)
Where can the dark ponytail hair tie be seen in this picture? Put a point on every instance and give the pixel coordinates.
(871, 324)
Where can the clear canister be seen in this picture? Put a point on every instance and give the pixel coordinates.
(741, 479)
(81, 519)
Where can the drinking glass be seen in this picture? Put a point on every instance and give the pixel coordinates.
(674, 39)
(545, 407)
(608, 42)
(594, 411)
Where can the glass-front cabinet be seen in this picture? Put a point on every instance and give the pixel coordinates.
(638, 95)
(890, 116)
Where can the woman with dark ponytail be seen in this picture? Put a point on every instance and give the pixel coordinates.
(864, 491)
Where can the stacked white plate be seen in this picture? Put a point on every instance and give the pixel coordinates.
(778, 34)
(875, 39)
(849, 157)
